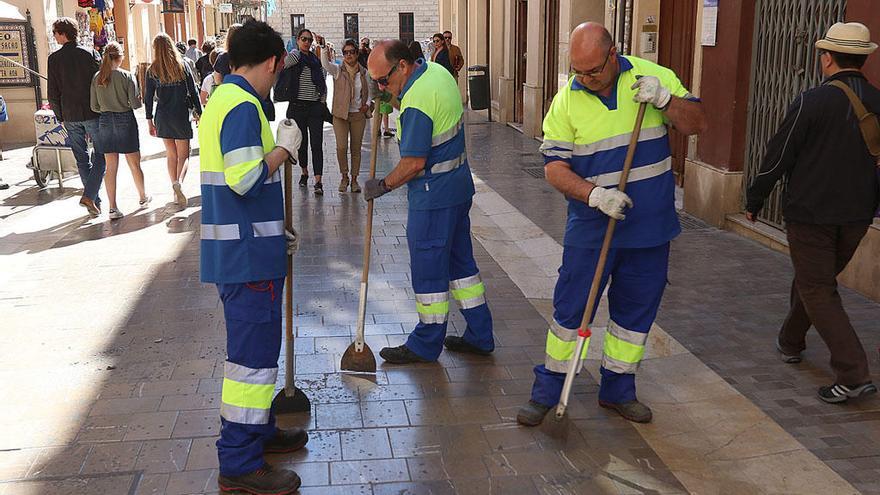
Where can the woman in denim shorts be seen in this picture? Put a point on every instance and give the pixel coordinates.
(115, 96)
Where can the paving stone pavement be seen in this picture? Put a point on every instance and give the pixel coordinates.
(725, 302)
(114, 359)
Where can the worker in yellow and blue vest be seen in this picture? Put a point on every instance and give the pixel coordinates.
(434, 165)
(244, 248)
(586, 136)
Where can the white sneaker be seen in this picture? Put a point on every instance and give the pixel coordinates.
(145, 202)
(114, 214)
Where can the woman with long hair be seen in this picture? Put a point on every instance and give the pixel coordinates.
(351, 109)
(170, 80)
(308, 105)
(416, 49)
(441, 54)
(115, 95)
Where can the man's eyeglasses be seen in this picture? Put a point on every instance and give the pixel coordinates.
(593, 72)
(383, 81)
(349, 52)
(305, 39)
(448, 38)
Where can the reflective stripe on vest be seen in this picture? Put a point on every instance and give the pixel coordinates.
(247, 393)
(469, 291)
(635, 174)
(561, 343)
(231, 231)
(623, 349)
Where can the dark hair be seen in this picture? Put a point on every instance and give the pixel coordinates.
(416, 49)
(397, 51)
(254, 43)
(67, 27)
(208, 46)
(181, 47)
(447, 31)
(303, 30)
(437, 35)
(350, 42)
(192, 42)
(848, 60)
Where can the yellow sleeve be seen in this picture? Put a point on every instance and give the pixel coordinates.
(559, 134)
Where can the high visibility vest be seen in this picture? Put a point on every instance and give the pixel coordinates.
(592, 134)
(242, 238)
(446, 180)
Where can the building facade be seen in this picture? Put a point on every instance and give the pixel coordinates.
(746, 60)
(337, 20)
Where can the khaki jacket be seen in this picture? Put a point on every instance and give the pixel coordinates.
(342, 86)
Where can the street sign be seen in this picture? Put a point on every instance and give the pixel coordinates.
(225, 8)
(14, 48)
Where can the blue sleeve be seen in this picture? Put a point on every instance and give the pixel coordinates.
(415, 140)
(242, 129)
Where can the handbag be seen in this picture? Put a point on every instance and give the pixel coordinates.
(868, 123)
(284, 85)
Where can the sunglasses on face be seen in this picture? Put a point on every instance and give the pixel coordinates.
(306, 40)
(383, 81)
(438, 41)
(447, 37)
(349, 52)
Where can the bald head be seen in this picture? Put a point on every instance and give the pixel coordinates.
(388, 55)
(590, 35)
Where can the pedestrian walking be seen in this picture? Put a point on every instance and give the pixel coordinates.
(351, 109)
(221, 65)
(434, 165)
(441, 53)
(208, 83)
(192, 52)
(244, 249)
(830, 198)
(586, 135)
(71, 69)
(456, 59)
(307, 106)
(115, 96)
(364, 52)
(170, 82)
(205, 65)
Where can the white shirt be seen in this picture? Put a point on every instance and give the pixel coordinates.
(336, 70)
(208, 83)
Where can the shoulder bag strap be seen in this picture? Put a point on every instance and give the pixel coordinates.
(868, 123)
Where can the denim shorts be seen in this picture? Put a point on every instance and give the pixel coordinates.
(118, 132)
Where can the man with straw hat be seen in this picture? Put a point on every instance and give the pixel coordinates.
(830, 198)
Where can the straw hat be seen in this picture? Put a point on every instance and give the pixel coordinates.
(850, 37)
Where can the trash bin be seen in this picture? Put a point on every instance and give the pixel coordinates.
(478, 86)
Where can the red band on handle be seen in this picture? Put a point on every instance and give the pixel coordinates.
(585, 332)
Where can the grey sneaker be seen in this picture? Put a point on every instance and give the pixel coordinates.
(532, 414)
(634, 411)
(786, 357)
(114, 214)
(145, 202)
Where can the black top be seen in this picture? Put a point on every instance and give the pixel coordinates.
(829, 176)
(71, 69)
(442, 58)
(203, 65)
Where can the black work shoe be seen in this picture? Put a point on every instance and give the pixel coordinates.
(319, 189)
(532, 414)
(787, 357)
(263, 481)
(634, 411)
(303, 180)
(401, 355)
(286, 441)
(458, 344)
(837, 393)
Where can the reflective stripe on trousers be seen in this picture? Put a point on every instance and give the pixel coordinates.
(433, 308)
(247, 394)
(469, 291)
(231, 232)
(561, 343)
(623, 349)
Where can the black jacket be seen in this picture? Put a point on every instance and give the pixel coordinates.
(71, 69)
(829, 176)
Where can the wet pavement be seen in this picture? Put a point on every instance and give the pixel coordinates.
(113, 360)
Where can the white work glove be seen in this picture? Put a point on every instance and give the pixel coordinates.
(288, 137)
(292, 240)
(610, 202)
(649, 90)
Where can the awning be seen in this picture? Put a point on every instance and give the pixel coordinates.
(9, 12)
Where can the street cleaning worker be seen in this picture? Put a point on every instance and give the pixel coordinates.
(243, 251)
(434, 165)
(586, 136)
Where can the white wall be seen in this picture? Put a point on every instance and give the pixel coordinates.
(378, 19)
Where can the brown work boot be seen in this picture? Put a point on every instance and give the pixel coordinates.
(286, 441)
(532, 414)
(634, 410)
(343, 184)
(264, 481)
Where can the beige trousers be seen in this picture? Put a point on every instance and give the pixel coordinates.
(349, 133)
